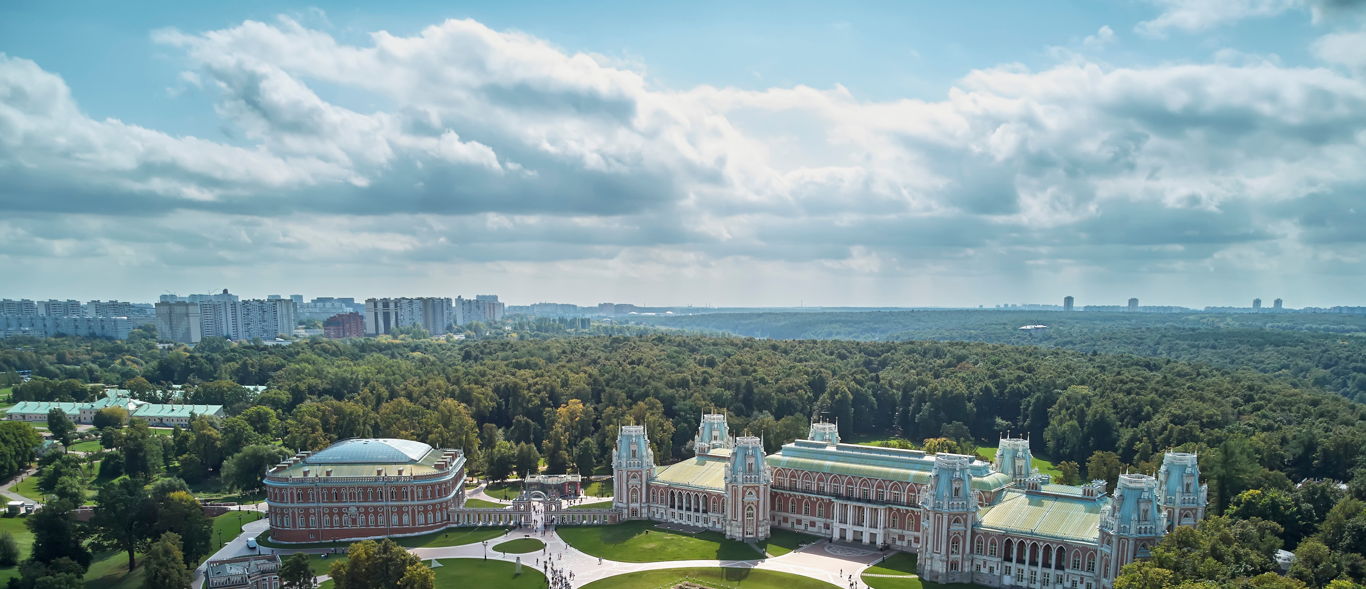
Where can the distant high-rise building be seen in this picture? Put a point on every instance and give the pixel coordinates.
(1133, 304)
(1067, 303)
(109, 309)
(179, 322)
(19, 308)
(297, 298)
(344, 325)
(273, 297)
(266, 319)
(482, 308)
(1256, 304)
(385, 315)
(56, 308)
(1277, 305)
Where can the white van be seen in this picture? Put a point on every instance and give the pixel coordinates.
(251, 543)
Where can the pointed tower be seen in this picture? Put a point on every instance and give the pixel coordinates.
(946, 529)
(822, 431)
(1130, 526)
(1013, 458)
(712, 434)
(633, 464)
(1180, 493)
(747, 491)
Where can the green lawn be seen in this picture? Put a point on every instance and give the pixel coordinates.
(322, 563)
(109, 570)
(781, 542)
(22, 537)
(718, 578)
(601, 488)
(900, 563)
(506, 491)
(229, 526)
(1044, 466)
(29, 488)
(86, 446)
(595, 505)
(912, 583)
(451, 537)
(641, 541)
(470, 572)
(482, 503)
(213, 491)
(520, 546)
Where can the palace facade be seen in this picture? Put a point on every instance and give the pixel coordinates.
(1000, 524)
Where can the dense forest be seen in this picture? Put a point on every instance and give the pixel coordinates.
(510, 403)
(1326, 351)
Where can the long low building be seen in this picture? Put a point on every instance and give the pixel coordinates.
(156, 414)
(254, 571)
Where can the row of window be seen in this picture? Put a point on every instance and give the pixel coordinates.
(284, 519)
(359, 494)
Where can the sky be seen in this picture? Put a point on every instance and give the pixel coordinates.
(1186, 152)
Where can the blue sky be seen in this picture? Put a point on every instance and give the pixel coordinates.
(880, 153)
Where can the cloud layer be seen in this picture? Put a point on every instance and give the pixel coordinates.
(494, 147)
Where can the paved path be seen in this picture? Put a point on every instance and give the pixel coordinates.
(833, 563)
(7, 490)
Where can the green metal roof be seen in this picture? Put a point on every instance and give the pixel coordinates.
(707, 471)
(362, 457)
(155, 410)
(892, 464)
(45, 406)
(1053, 516)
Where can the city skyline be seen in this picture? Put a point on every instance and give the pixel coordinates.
(1184, 153)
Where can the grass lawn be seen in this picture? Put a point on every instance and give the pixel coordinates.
(213, 491)
(1044, 466)
(595, 505)
(598, 488)
(508, 491)
(86, 446)
(520, 546)
(641, 541)
(900, 563)
(912, 583)
(482, 503)
(109, 570)
(470, 572)
(29, 488)
(451, 537)
(229, 526)
(719, 578)
(781, 542)
(163, 431)
(22, 537)
(322, 566)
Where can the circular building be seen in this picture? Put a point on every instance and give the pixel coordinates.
(364, 488)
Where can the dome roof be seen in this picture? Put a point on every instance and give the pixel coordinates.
(371, 451)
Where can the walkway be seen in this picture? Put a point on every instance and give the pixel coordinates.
(7, 489)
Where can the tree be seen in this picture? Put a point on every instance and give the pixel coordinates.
(110, 417)
(381, 565)
(246, 469)
(1071, 472)
(528, 460)
(262, 419)
(55, 534)
(586, 456)
(165, 565)
(502, 461)
(9, 550)
(63, 477)
(125, 516)
(139, 387)
(1104, 466)
(142, 451)
(295, 573)
(60, 425)
(17, 444)
(238, 434)
(61, 573)
(179, 512)
(1314, 564)
(1273, 506)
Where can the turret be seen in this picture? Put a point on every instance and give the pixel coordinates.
(950, 511)
(1130, 526)
(1180, 493)
(1014, 458)
(712, 434)
(824, 432)
(748, 482)
(633, 464)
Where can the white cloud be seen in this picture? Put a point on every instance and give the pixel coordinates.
(1104, 37)
(498, 149)
(1191, 16)
(1348, 49)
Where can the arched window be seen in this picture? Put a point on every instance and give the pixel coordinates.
(955, 546)
(1076, 559)
(991, 547)
(1091, 563)
(1059, 558)
(977, 546)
